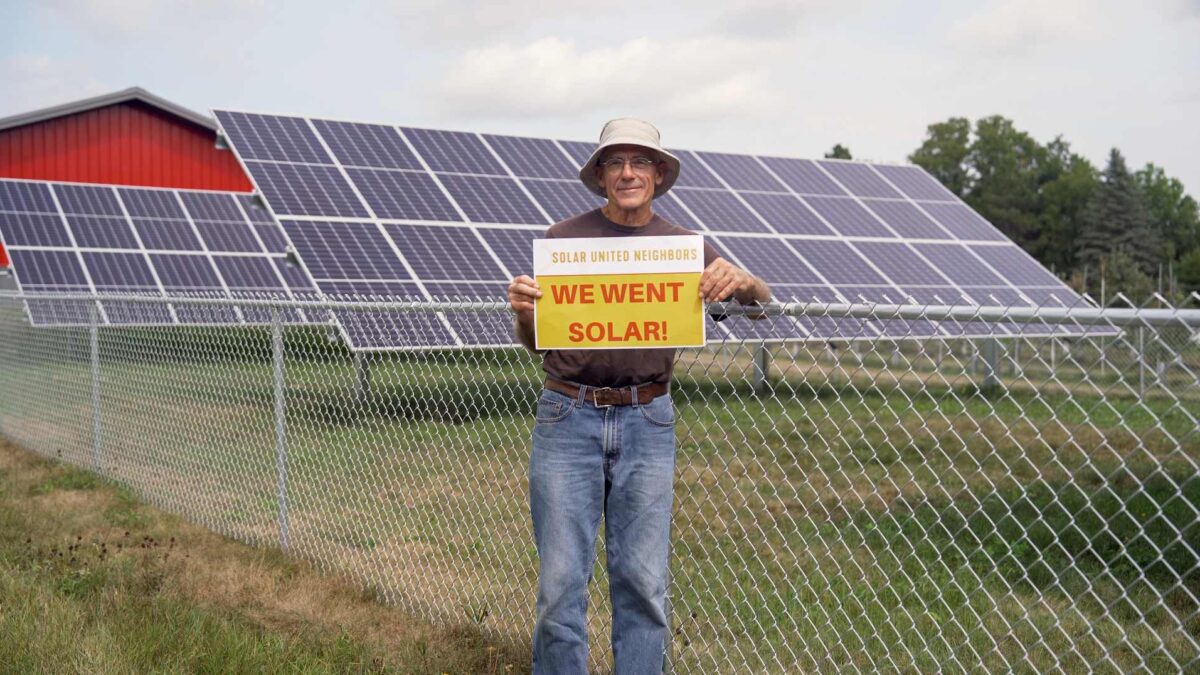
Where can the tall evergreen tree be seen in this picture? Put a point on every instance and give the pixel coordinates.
(1116, 220)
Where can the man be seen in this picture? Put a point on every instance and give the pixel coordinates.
(604, 438)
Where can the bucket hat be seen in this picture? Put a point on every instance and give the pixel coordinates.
(630, 131)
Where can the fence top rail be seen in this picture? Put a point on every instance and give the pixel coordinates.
(1081, 315)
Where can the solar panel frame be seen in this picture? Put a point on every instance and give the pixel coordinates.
(872, 193)
(858, 179)
(721, 210)
(125, 265)
(34, 229)
(27, 197)
(533, 157)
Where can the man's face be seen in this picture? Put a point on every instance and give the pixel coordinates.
(628, 185)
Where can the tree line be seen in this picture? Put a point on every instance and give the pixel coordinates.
(1102, 231)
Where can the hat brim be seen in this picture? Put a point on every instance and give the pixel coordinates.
(587, 173)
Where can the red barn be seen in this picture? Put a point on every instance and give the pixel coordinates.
(129, 137)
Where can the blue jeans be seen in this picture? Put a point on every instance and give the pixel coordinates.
(619, 462)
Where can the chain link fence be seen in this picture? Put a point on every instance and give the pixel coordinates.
(863, 503)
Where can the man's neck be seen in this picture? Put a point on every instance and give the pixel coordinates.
(629, 218)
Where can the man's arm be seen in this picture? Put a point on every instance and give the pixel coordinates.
(722, 279)
(522, 293)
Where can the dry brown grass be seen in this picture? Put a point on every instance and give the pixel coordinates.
(283, 595)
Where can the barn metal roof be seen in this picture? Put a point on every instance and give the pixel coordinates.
(130, 94)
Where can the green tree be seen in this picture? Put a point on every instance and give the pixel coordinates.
(944, 153)
(1189, 272)
(1116, 220)
(1070, 182)
(1121, 274)
(839, 151)
(1173, 214)
(1008, 165)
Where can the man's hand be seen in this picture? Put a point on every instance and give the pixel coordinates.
(522, 292)
(722, 279)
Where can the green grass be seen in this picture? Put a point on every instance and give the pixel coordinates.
(62, 619)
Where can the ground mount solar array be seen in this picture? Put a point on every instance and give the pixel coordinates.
(69, 238)
(388, 211)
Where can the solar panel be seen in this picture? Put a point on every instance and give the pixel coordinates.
(169, 243)
(454, 151)
(513, 247)
(445, 253)
(907, 220)
(787, 213)
(367, 145)
(403, 195)
(18, 197)
(490, 199)
(562, 199)
(803, 176)
(859, 179)
(534, 157)
(915, 183)
(175, 235)
(847, 217)
(741, 172)
(426, 214)
(691, 172)
(33, 229)
(720, 211)
(900, 263)
(960, 219)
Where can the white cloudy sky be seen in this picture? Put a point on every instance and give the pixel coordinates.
(763, 76)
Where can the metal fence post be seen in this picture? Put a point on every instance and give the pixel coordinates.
(362, 377)
(1141, 361)
(762, 368)
(280, 423)
(94, 348)
(990, 353)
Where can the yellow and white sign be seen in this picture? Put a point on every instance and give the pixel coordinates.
(619, 292)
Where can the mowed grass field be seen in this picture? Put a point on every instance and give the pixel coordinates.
(874, 512)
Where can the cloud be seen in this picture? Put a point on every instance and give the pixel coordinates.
(696, 78)
(129, 17)
(34, 81)
(776, 19)
(466, 22)
(1182, 9)
(1014, 27)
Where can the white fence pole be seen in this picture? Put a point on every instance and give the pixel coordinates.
(94, 350)
(281, 465)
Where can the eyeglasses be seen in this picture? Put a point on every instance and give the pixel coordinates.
(639, 164)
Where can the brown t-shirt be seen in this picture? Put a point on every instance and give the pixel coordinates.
(614, 367)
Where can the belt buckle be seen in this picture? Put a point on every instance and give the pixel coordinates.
(597, 393)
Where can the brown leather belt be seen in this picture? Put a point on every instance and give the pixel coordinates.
(607, 396)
